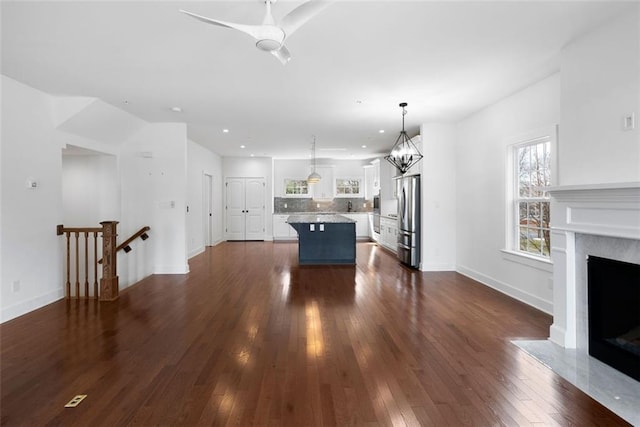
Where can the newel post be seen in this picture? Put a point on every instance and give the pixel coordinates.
(109, 281)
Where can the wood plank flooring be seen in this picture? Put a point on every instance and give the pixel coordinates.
(248, 337)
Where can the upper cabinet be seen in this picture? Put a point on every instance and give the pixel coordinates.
(368, 182)
(340, 178)
(371, 179)
(387, 173)
(325, 189)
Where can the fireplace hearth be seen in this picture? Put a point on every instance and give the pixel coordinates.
(614, 313)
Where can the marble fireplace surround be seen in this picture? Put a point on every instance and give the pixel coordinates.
(601, 220)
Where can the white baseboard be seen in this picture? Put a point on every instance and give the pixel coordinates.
(171, 269)
(195, 252)
(513, 292)
(557, 336)
(438, 267)
(31, 304)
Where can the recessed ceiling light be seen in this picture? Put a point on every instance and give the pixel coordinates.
(225, 130)
(242, 146)
(381, 131)
(176, 109)
(364, 146)
(125, 102)
(252, 155)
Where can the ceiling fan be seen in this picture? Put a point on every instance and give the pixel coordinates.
(270, 35)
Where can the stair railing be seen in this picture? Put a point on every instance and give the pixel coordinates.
(108, 289)
(77, 232)
(142, 233)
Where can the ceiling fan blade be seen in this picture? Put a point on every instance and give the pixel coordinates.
(252, 30)
(301, 14)
(282, 54)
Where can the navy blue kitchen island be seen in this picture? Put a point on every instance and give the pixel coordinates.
(325, 239)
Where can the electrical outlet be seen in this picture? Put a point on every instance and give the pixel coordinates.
(285, 206)
(15, 286)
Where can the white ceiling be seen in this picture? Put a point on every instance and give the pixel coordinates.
(351, 65)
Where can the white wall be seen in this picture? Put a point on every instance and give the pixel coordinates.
(31, 250)
(90, 190)
(438, 188)
(600, 85)
(201, 161)
(154, 193)
(481, 152)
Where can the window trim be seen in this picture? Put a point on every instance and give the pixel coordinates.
(512, 244)
(284, 189)
(351, 178)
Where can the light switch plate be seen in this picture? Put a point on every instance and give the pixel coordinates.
(629, 122)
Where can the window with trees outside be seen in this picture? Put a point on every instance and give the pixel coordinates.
(293, 187)
(531, 199)
(347, 186)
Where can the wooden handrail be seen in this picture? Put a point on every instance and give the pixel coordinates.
(61, 229)
(133, 237)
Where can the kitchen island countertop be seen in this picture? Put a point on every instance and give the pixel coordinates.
(318, 218)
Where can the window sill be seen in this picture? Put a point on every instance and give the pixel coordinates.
(528, 260)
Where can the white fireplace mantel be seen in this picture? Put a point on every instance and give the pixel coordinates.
(611, 210)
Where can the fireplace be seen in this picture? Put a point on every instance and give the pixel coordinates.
(588, 220)
(614, 313)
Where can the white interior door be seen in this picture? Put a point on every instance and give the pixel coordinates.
(254, 208)
(235, 210)
(245, 209)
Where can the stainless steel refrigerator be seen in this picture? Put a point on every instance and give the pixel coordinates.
(408, 194)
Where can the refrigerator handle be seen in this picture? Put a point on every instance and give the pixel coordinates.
(403, 205)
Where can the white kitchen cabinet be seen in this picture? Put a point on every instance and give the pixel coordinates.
(387, 184)
(389, 233)
(362, 224)
(373, 236)
(376, 176)
(282, 230)
(325, 189)
(371, 182)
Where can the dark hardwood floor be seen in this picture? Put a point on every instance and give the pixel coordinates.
(251, 338)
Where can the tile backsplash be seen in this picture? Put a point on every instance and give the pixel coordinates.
(306, 204)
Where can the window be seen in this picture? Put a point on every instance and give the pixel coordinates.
(532, 161)
(295, 187)
(347, 187)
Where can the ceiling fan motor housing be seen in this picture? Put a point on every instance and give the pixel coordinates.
(270, 38)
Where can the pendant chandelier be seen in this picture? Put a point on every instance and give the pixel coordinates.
(404, 153)
(314, 177)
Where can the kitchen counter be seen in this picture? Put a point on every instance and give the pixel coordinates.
(325, 239)
(318, 218)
